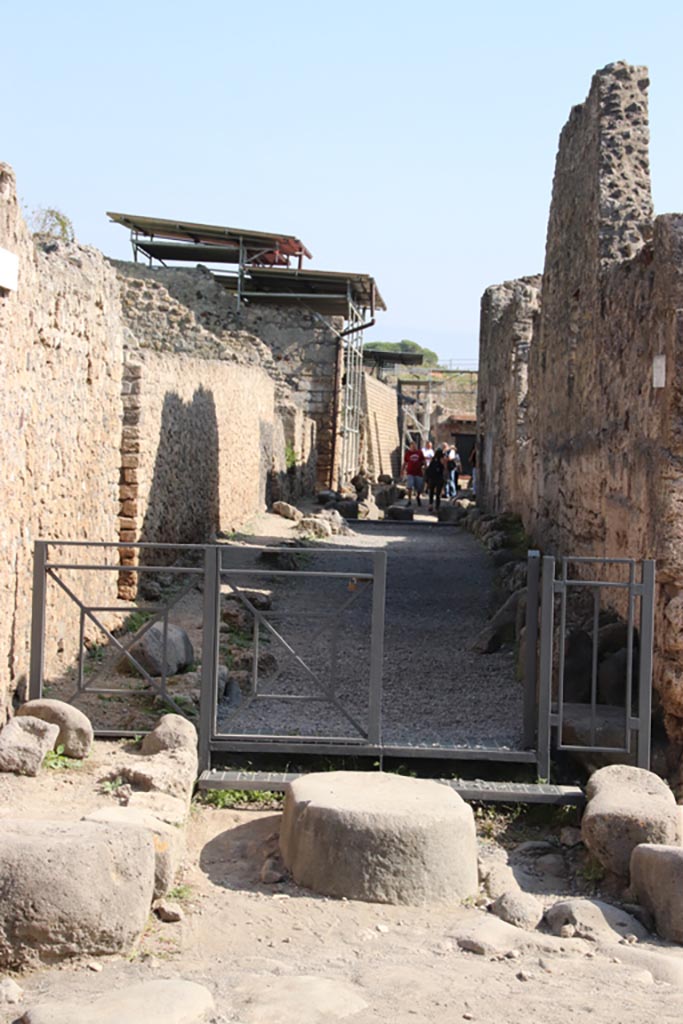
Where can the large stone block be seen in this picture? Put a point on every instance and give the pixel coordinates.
(149, 650)
(167, 840)
(379, 837)
(75, 730)
(71, 889)
(657, 881)
(626, 806)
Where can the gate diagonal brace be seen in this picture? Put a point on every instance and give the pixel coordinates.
(331, 696)
(158, 687)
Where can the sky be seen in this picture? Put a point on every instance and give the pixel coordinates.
(411, 141)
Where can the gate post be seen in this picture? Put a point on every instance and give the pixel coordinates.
(37, 662)
(546, 666)
(647, 619)
(533, 574)
(379, 588)
(210, 637)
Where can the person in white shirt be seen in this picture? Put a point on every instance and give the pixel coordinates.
(428, 452)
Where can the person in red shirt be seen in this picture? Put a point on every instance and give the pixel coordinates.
(413, 464)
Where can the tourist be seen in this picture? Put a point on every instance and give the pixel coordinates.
(453, 470)
(434, 474)
(473, 464)
(428, 452)
(413, 464)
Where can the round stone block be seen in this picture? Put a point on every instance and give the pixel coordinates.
(379, 837)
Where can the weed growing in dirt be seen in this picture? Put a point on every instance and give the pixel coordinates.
(136, 621)
(239, 798)
(57, 759)
(592, 872)
(182, 891)
(112, 785)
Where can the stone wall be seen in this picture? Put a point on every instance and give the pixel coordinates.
(380, 440)
(61, 346)
(603, 445)
(188, 311)
(509, 322)
(201, 442)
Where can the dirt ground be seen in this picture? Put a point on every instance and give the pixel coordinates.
(278, 954)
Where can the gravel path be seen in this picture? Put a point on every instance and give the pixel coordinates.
(436, 691)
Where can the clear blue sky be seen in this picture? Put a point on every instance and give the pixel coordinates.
(413, 141)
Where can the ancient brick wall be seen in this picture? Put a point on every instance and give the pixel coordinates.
(189, 311)
(200, 440)
(380, 440)
(605, 446)
(61, 344)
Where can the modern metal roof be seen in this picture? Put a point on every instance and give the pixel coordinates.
(198, 235)
(326, 291)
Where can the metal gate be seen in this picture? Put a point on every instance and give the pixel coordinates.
(592, 725)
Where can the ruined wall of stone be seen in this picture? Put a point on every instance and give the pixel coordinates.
(605, 446)
(380, 439)
(61, 345)
(200, 441)
(509, 322)
(188, 311)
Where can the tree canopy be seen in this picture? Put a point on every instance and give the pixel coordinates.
(430, 358)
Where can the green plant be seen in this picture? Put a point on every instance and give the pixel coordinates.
(182, 891)
(136, 621)
(592, 871)
(57, 759)
(112, 785)
(223, 798)
(290, 457)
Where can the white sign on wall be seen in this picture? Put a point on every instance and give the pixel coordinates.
(659, 372)
(9, 270)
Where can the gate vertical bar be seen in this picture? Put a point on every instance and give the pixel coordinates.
(207, 704)
(379, 589)
(37, 662)
(533, 575)
(647, 625)
(546, 666)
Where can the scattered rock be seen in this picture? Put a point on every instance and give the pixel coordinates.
(626, 806)
(519, 909)
(313, 526)
(570, 836)
(172, 732)
(384, 478)
(232, 694)
(451, 514)
(368, 507)
(347, 508)
(501, 628)
(379, 837)
(272, 871)
(154, 1002)
(592, 919)
(552, 865)
(498, 879)
(168, 808)
(71, 890)
(337, 523)
(403, 513)
(168, 911)
(489, 936)
(170, 771)
(657, 881)
(75, 730)
(287, 511)
(148, 651)
(10, 992)
(24, 742)
(325, 497)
